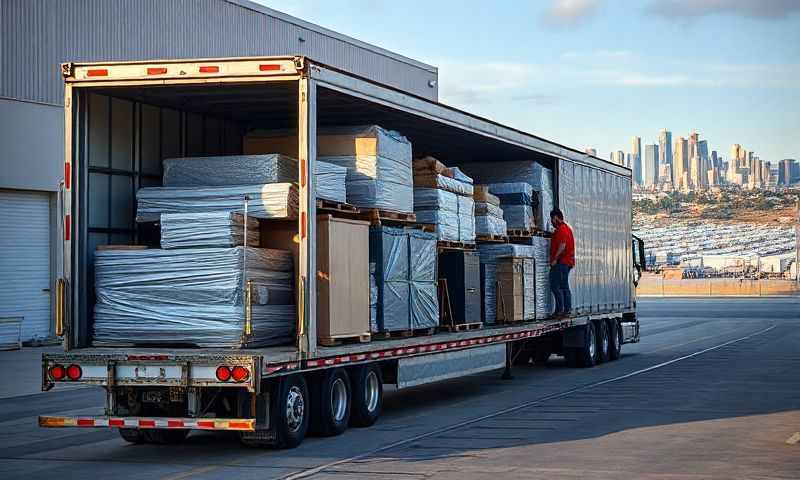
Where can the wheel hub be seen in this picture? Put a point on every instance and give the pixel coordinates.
(338, 399)
(372, 391)
(295, 409)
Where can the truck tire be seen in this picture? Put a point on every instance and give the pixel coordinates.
(132, 435)
(330, 402)
(615, 337)
(586, 356)
(603, 342)
(165, 437)
(290, 404)
(367, 395)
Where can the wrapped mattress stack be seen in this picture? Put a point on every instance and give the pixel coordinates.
(250, 170)
(405, 276)
(488, 214)
(536, 283)
(531, 172)
(207, 229)
(443, 197)
(192, 297)
(516, 202)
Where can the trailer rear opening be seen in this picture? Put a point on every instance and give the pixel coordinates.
(123, 119)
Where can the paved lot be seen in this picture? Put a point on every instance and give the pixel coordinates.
(712, 391)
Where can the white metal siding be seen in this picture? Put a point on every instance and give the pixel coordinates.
(25, 260)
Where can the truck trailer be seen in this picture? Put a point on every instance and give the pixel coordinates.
(123, 118)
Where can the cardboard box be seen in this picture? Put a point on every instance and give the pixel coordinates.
(481, 194)
(428, 166)
(511, 288)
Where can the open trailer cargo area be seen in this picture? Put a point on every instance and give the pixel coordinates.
(170, 163)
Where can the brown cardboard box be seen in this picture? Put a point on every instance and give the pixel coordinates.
(342, 278)
(481, 194)
(510, 289)
(430, 166)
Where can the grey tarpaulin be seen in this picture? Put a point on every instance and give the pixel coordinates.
(207, 229)
(192, 297)
(233, 170)
(405, 274)
(383, 181)
(271, 200)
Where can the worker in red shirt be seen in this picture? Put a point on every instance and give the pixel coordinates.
(562, 259)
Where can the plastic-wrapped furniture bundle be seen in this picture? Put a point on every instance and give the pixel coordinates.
(544, 297)
(249, 170)
(193, 297)
(518, 216)
(446, 223)
(515, 201)
(207, 229)
(271, 200)
(373, 299)
(451, 214)
(490, 225)
(443, 182)
(483, 208)
(378, 163)
(489, 254)
(466, 219)
(405, 275)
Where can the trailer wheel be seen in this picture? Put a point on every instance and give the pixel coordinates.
(132, 435)
(586, 356)
(603, 342)
(615, 337)
(330, 402)
(291, 407)
(165, 437)
(367, 395)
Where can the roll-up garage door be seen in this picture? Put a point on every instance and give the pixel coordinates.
(25, 260)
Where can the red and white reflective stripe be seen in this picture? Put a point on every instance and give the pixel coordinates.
(246, 424)
(434, 347)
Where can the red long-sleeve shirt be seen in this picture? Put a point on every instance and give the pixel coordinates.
(563, 234)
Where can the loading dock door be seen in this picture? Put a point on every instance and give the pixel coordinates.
(25, 260)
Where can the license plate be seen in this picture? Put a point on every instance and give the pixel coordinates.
(152, 397)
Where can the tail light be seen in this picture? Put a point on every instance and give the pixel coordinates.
(74, 372)
(239, 373)
(223, 373)
(57, 372)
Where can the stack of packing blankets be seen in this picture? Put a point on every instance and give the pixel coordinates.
(443, 197)
(531, 172)
(537, 295)
(488, 214)
(378, 162)
(405, 276)
(192, 297)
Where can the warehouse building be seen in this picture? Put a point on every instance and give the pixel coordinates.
(37, 35)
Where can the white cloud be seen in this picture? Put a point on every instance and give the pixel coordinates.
(684, 10)
(570, 12)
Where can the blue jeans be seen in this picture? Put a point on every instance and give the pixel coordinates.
(559, 285)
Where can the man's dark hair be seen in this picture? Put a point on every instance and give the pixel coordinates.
(556, 213)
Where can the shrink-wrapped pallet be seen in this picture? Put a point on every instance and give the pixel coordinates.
(193, 297)
(482, 208)
(466, 219)
(451, 214)
(268, 201)
(207, 229)
(489, 254)
(453, 185)
(231, 170)
(373, 299)
(518, 217)
(445, 223)
(544, 297)
(424, 308)
(490, 225)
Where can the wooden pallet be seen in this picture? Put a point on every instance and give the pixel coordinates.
(462, 327)
(419, 332)
(492, 238)
(343, 339)
(328, 206)
(516, 233)
(446, 245)
(378, 217)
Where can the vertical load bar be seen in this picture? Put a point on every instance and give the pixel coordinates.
(307, 153)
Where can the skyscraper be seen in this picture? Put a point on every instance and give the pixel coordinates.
(696, 173)
(786, 171)
(693, 140)
(680, 170)
(651, 163)
(714, 159)
(636, 159)
(618, 157)
(665, 151)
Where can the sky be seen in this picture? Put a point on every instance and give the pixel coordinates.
(594, 73)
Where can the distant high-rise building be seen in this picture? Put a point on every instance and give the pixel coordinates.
(665, 176)
(787, 171)
(618, 157)
(636, 159)
(665, 150)
(705, 161)
(693, 140)
(650, 166)
(592, 151)
(715, 159)
(697, 177)
(680, 164)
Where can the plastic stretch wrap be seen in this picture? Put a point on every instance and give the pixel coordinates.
(446, 223)
(544, 297)
(207, 229)
(233, 170)
(528, 171)
(482, 208)
(512, 193)
(382, 180)
(459, 175)
(466, 219)
(405, 275)
(192, 296)
(453, 185)
(373, 299)
(518, 217)
(489, 255)
(529, 303)
(272, 200)
(488, 225)
(542, 209)
(435, 199)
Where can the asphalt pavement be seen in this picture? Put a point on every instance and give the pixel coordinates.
(712, 391)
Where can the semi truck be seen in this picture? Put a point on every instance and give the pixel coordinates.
(123, 118)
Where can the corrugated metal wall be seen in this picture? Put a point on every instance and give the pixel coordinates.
(38, 35)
